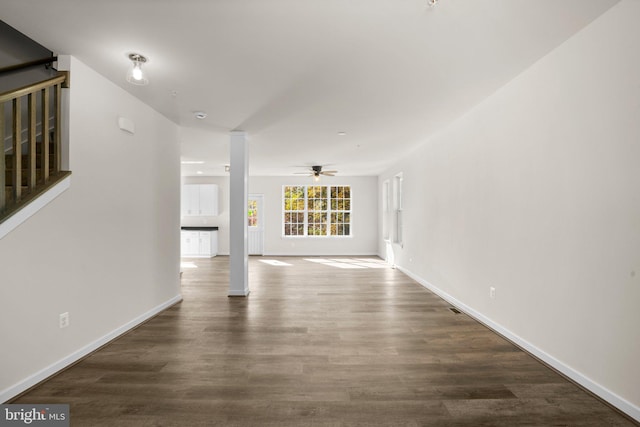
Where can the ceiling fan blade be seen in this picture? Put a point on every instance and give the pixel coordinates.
(329, 171)
(327, 174)
(303, 173)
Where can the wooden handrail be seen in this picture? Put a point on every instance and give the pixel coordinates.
(26, 90)
(16, 67)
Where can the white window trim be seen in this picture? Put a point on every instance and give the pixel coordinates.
(306, 213)
(386, 211)
(398, 237)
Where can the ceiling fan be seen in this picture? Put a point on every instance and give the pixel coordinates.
(316, 171)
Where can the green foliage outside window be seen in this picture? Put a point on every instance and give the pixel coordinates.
(317, 210)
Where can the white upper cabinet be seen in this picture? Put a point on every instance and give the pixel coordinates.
(208, 200)
(199, 200)
(190, 200)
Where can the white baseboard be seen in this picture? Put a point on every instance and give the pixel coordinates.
(623, 405)
(50, 370)
(305, 255)
(299, 254)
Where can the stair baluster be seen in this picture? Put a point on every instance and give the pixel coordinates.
(3, 163)
(57, 102)
(31, 163)
(30, 166)
(45, 135)
(17, 150)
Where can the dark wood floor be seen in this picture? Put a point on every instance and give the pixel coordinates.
(315, 345)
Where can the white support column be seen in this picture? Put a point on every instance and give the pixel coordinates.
(238, 239)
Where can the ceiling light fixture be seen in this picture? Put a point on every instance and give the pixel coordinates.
(432, 3)
(192, 162)
(136, 75)
(316, 171)
(200, 115)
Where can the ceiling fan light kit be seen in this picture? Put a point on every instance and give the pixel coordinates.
(316, 171)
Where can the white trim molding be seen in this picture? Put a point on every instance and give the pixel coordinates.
(324, 254)
(22, 386)
(613, 399)
(30, 209)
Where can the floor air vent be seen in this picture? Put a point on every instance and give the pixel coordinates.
(455, 310)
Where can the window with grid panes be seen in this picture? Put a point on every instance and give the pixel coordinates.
(317, 210)
(341, 210)
(294, 210)
(317, 207)
(252, 213)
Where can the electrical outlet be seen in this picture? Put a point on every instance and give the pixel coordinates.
(64, 320)
(492, 292)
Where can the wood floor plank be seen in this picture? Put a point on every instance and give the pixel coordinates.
(316, 344)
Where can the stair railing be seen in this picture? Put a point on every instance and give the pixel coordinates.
(20, 181)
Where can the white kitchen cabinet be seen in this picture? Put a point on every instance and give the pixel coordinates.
(199, 243)
(199, 200)
(190, 243)
(204, 243)
(190, 200)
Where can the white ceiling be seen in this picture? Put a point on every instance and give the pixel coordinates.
(294, 73)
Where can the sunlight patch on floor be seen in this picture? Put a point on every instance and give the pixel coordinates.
(275, 263)
(343, 265)
(318, 260)
(354, 263)
(187, 265)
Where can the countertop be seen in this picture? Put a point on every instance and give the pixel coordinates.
(199, 228)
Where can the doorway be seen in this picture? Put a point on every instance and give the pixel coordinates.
(256, 224)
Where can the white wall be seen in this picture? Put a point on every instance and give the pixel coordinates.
(364, 216)
(537, 192)
(106, 250)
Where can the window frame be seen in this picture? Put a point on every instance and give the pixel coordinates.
(398, 220)
(253, 216)
(386, 211)
(328, 212)
(296, 212)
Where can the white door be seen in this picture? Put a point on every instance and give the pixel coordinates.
(256, 224)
